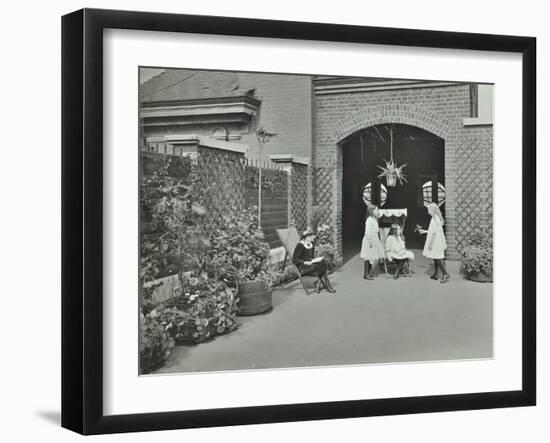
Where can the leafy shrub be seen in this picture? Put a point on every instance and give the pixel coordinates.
(477, 254)
(205, 309)
(325, 243)
(325, 234)
(232, 250)
(285, 276)
(327, 251)
(479, 238)
(318, 214)
(155, 343)
(146, 297)
(478, 260)
(173, 197)
(237, 250)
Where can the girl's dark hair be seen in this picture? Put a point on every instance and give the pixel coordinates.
(393, 231)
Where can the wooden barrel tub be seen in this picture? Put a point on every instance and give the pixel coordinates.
(255, 297)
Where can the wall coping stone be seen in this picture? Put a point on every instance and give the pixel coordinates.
(289, 158)
(201, 140)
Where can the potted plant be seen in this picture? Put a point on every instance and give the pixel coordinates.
(391, 171)
(239, 256)
(477, 257)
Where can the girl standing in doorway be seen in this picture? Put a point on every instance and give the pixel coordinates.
(436, 244)
(371, 248)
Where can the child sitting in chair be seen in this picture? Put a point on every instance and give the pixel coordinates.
(396, 251)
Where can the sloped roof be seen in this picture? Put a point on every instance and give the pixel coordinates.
(190, 84)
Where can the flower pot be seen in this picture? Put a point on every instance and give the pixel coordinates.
(479, 277)
(255, 297)
(391, 180)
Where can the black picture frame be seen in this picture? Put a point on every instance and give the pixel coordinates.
(82, 218)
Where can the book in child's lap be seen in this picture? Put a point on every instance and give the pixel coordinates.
(317, 260)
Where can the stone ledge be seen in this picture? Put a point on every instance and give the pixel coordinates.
(200, 140)
(289, 158)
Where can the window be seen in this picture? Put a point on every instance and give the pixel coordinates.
(427, 193)
(367, 194)
(481, 105)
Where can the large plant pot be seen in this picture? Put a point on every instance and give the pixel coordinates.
(255, 297)
(479, 277)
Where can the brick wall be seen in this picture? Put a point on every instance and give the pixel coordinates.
(440, 110)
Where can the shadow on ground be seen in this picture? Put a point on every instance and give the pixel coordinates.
(53, 417)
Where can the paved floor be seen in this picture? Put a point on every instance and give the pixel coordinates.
(380, 321)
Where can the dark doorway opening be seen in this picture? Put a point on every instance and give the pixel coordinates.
(363, 152)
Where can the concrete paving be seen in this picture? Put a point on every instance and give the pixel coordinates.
(365, 322)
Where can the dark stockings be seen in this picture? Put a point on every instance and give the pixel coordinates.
(400, 265)
(324, 283)
(328, 286)
(435, 275)
(367, 269)
(438, 264)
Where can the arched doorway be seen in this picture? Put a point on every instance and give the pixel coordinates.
(362, 153)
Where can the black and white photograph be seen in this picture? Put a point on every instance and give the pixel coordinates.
(275, 221)
(296, 221)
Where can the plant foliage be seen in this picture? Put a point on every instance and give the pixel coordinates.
(155, 343)
(325, 243)
(205, 309)
(237, 250)
(477, 254)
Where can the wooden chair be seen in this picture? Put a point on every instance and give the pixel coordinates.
(393, 264)
(290, 238)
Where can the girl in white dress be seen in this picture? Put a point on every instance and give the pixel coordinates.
(396, 250)
(371, 248)
(436, 244)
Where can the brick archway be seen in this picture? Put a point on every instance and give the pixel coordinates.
(407, 114)
(391, 113)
